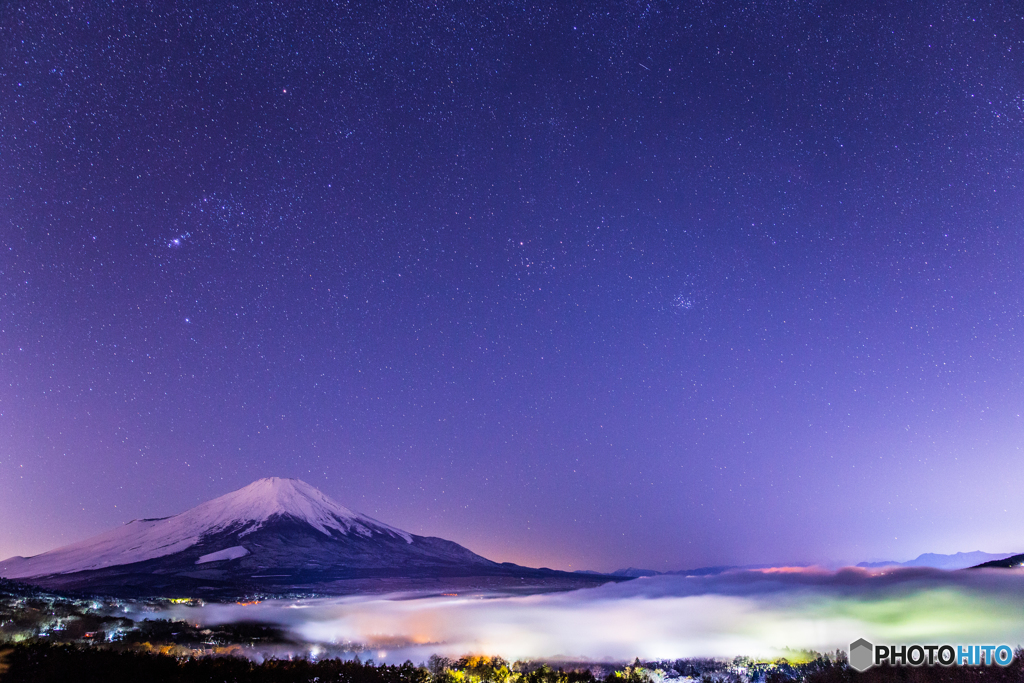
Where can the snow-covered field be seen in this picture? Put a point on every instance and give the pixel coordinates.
(755, 613)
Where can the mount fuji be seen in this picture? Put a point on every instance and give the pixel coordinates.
(275, 536)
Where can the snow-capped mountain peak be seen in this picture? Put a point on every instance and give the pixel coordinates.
(241, 512)
(254, 504)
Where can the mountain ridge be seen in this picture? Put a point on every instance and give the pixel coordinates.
(952, 561)
(245, 510)
(274, 535)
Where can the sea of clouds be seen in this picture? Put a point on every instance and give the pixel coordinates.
(767, 613)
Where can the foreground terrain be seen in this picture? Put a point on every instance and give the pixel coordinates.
(47, 663)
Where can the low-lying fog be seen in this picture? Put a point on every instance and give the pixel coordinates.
(755, 613)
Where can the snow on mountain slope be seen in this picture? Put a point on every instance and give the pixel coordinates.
(232, 553)
(243, 511)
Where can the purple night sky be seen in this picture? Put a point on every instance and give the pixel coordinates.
(581, 286)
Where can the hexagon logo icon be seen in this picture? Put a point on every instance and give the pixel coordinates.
(861, 654)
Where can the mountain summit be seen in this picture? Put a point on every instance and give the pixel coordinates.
(274, 535)
(236, 514)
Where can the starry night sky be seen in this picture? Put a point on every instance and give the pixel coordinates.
(581, 286)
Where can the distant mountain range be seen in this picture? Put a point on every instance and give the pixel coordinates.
(273, 536)
(948, 562)
(934, 560)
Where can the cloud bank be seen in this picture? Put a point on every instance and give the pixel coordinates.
(756, 613)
